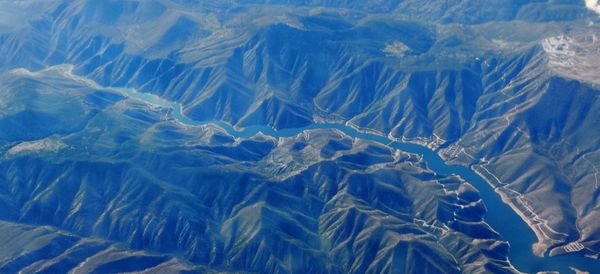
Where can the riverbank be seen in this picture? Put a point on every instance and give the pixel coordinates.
(519, 234)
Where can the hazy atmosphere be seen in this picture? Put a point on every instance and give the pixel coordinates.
(299, 136)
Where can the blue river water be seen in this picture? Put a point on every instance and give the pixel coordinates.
(500, 216)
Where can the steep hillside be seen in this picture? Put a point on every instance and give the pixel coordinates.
(317, 202)
(537, 138)
(508, 88)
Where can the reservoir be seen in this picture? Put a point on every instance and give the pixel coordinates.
(499, 216)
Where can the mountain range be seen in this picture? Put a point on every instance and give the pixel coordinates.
(93, 180)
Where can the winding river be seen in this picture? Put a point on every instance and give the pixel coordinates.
(499, 216)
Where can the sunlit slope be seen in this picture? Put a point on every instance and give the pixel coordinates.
(317, 202)
(512, 88)
(538, 136)
(43, 249)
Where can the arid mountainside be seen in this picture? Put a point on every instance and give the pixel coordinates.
(510, 89)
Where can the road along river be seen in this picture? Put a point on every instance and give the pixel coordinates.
(500, 216)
